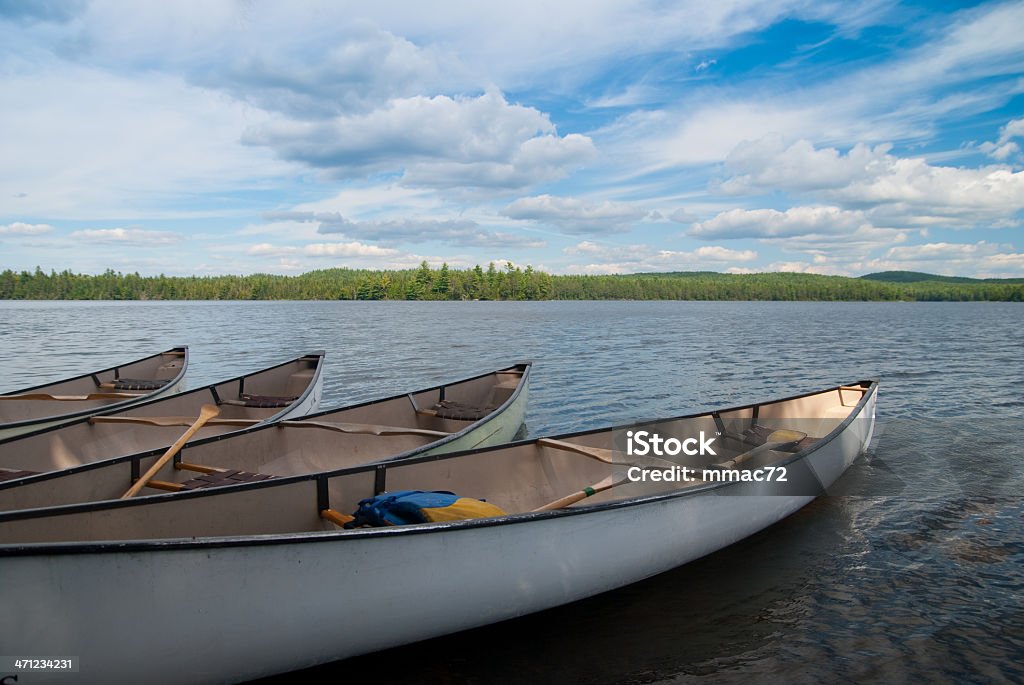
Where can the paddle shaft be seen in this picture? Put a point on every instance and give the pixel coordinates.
(575, 497)
(207, 412)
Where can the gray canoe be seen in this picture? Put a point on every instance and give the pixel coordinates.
(227, 585)
(53, 404)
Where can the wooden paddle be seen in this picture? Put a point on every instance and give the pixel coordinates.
(776, 439)
(575, 497)
(206, 412)
(600, 454)
(70, 398)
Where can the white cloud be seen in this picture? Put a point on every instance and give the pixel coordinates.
(271, 250)
(19, 228)
(618, 259)
(461, 232)
(1004, 148)
(768, 164)
(438, 141)
(771, 223)
(576, 216)
(1001, 152)
(127, 236)
(833, 237)
(714, 253)
(353, 254)
(899, 191)
(349, 249)
(352, 249)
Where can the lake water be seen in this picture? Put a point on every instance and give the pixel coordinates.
(913, 572)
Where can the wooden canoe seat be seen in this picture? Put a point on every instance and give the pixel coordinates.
(757, 435)
(222, 478)
(449, 409)
(13, 474)
(461, 411)
(139, 383)
(260, 401)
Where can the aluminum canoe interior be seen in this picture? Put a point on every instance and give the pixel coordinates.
(520, 478)
(117, 386)
(485, 409)
(274, 392)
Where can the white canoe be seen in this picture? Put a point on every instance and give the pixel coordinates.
(211, 587)
(287, 390)
(53, 404)
(486, 409)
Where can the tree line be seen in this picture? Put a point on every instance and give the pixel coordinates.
(508, 282)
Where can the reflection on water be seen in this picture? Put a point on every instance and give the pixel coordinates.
(913, 570)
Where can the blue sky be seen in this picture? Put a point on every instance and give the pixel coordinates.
(579, 137)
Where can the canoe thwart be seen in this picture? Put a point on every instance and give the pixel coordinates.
(71, 398)
(171, 420)
(199, 468)
(164, 485)
(366, 428)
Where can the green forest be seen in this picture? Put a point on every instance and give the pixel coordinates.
(507, 282)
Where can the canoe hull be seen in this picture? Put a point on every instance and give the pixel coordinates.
(233, 613)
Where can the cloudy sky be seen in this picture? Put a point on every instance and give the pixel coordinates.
(586, 137)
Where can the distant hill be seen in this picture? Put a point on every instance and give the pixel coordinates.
(918, 276)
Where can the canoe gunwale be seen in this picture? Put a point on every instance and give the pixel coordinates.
(173, 544)
(63, 419)
(524, 367)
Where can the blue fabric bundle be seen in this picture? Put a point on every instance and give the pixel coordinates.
(404, 507)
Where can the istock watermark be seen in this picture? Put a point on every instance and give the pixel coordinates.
(644, 443)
